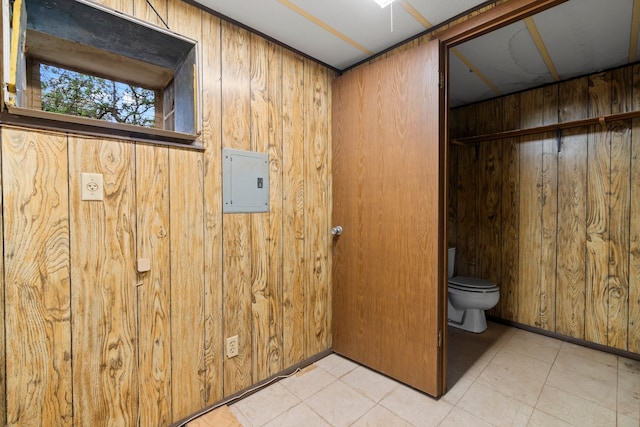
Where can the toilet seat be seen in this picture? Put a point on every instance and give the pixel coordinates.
(472, 284)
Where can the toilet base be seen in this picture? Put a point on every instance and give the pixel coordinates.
(473, 320)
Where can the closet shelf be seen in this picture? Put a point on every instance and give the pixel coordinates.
(546, 128)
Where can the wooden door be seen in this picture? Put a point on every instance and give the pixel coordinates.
(387, 195)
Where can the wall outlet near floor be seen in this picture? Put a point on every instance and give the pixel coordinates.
(232, 346)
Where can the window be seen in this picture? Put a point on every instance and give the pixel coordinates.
(77, 63)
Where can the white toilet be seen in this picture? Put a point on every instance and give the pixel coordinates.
(468, 298)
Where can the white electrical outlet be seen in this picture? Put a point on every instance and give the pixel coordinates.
(232, 346)
(92, 186)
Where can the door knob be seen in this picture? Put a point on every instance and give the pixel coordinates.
(337, 230)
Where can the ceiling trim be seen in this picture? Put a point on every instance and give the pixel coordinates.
(542, 48)
(635, 28)
(498, 17)
(475, 70)
(416, 15)
(324, 26)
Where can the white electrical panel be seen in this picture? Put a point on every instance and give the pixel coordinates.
(245, 181)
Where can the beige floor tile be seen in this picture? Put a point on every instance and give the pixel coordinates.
(495, 407)
(628, 374)
(308, 381)
(415, 407)
(574, 409)
(521, 365)
(521, 387)
(458, 417)
(336, 365)
(542, 419)
(299, 415)
(583, 386)
(589, 353)
(339, 404)
(604, 372)
(457, 390)
(534, 348)
(380, 416)
(267, 404)
(624, 421)
(371, 384)
(629, 403)
(537, 338)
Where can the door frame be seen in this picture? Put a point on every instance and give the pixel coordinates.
(476, 26)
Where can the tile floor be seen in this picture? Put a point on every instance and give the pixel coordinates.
(503, 377)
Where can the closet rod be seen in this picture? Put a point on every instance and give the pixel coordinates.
(546, 128)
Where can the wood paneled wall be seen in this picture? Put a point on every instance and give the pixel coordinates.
(91, 342)
(558, 230)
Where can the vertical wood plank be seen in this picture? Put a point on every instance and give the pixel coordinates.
(154, 294)
(572, 220)
(37, 267)
(489, 193)
(619, 211)
(260, 312)
(276, 243)
(186, 191)
(293, 208)
(316, 137)
(634, 223)
(3, 347)
(549, 226)
(103, 285)
(452, 165)
(508, 304)
(465, 262)
(152, 11)
(236, 127)
(187, 282)
(211, 138)
(599, 187)
(530, 229)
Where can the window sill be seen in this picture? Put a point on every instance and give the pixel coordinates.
(86, 126)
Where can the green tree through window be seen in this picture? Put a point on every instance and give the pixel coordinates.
(70, 92)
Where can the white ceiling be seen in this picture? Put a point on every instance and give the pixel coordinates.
(580, 37)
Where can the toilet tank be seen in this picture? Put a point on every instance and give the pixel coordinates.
(451, 258)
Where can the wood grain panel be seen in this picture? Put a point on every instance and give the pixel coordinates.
(293, 260)
(152, 11)
(387, 309)
(572, 220)
(316, 108)
(530, 228)
(466, 260)
(154, 292)
(260, 267)
(187, 282)
(103, 281)
(510, 202)
(236, 127)
(599, 185)
(211, 138)
(275, 359)
(489, 186)
(634, 223)
(36, 279)
(549, 226)
(186, 174)
(619, 210)
(3, 371)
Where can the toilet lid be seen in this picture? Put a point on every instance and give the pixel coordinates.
(473, 284)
